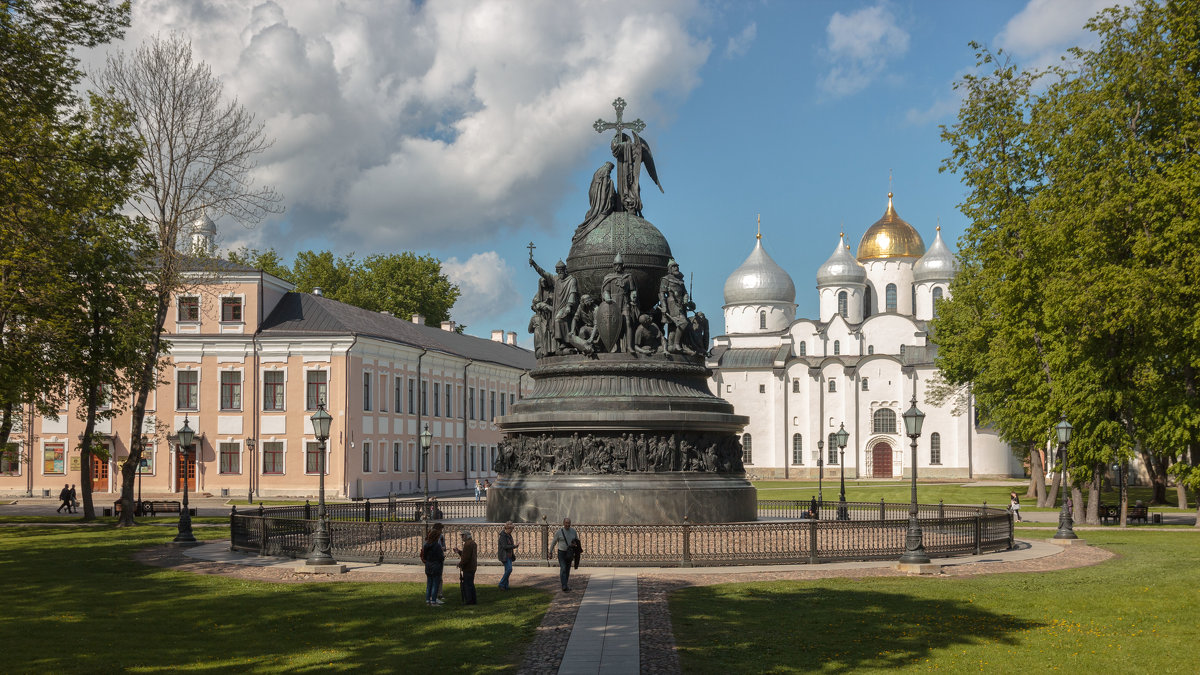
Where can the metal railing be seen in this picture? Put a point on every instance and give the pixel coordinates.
(392, 532)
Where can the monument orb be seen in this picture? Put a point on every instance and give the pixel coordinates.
(620, 426)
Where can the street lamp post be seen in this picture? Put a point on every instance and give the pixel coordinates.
(1066, 528)
(186, 436)
(426, 440)
(914, 550)
(250, 484)
(842, 437)
(321, 553)
(820, 470)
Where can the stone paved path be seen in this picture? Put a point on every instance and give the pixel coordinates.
(605, 637)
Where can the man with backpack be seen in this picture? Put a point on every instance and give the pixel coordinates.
(563, 541)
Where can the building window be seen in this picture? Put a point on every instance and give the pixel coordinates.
(449, 465)
(449, 400)
(832, 450)
(935, 448)
(383, 396)
(367, 391)
(803, 348)
(492, 399)
(437, 405)
(843, 304)
(397, 457)
(884, 421)
(492, 457)
(273, 390)
(901, 350)
(868, 302)
(10, 460)
(189, 308)
(747, 456)
(411, 399)
(106, 397)
(870, 349)
(797, 449)
(231, 310)
(366, 457)
(472, 458)
(471, 401)
(837, 347)
(866, 384)
(396, 393)
(187, 386)
(312, 458)
(891, 297)
(316, 389)
(795, 385)
(762, 388)
(52, 459)
(231, 457)
(503, 407)
(424, 398)
(231, 390)
(937, 297)
(832, 386)
(272, 457)
(762, 320)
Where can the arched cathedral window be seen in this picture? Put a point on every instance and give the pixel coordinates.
(797, 449)
(833, 450)
(832, 386)
(762, 320)
(885, 421)
(870, 349)
(837, 347)
(935, 448)
(795, 385)
(803, 348)
(843, 302)
(937, 297)
(746, 449)
(868, 302)
(891, 297)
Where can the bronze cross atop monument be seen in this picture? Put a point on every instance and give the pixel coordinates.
(619, 105)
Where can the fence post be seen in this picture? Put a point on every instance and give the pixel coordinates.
(260, 510)
(941, 511)
(266, 535)
(882, 510)
(546, 541)
(380, 539)
(978, 533)
(687, 543)
(367, 511)
(307, 510)
(813, 542)
(232, 529)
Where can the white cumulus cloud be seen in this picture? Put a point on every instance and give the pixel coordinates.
(1042, 31)
(404, 124)
(739, 44)
(487, 286)
(858, 46)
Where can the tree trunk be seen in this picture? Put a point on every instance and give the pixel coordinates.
(1094, 496)
(1037, 475)
(1052, 493)
(1077, 510)
(147, 382)
(6, 424)
(85, 454)
(1158, 476)
(1181, 499)
(1125, 502)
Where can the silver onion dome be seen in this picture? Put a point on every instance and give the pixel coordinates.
(842, 268)
(204, 225)
(759, 280)
(938, 264)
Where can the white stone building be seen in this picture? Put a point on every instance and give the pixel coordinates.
(857, 364)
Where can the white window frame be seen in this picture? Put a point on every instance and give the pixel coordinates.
(241, 390)
(199, 383)
(262, 453)
(263, 381)
(221, 309)
(241, 448)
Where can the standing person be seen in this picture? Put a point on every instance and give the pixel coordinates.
(506, 553)
(74, 507)
(1015, 505)
(478, 489)
(468, 561)
(562, 545)
(64, 496)
(487, 485)
(434, 557)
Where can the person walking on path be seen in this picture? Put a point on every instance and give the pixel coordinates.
(434, 557)
(1014, 505)
(478, 489)
(562, 545)
(64, 496)
(468, 561)
(73, 506)
(505, 552)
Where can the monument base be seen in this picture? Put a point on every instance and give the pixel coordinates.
(623, 499)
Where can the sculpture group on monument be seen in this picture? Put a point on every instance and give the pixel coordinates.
(620, 426)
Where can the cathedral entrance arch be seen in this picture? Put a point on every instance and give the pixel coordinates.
(881, 460)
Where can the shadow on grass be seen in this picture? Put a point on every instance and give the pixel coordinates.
(788, 626)
(75, 601)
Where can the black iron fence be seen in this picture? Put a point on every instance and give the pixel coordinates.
(392, 532)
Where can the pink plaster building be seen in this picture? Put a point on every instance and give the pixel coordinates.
(250, 359)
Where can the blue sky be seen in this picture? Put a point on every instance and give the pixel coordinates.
(463, 129)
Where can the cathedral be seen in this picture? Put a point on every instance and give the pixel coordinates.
(855, 367)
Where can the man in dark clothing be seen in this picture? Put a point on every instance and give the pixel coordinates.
(468, 561)
(64, 496)
(74, 507)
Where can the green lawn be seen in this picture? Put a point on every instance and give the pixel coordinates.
(76, 602)
(927, 493)
(1139, 612)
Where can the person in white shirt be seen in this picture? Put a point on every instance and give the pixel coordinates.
(562, 545)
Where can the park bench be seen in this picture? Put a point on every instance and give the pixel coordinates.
(1113, 512)
(155, 507)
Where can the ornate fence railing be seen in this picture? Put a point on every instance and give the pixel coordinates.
(392, 532)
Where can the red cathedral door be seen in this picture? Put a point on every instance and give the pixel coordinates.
(881, 461)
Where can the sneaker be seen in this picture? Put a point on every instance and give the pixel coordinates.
(438, 602)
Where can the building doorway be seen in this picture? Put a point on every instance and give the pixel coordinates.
(185, 468)
(881, 460)
(99, 474)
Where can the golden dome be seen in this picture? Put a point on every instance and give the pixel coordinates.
(890, 237)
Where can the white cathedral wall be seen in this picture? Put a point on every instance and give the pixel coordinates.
(828, 296)
(886, 332)
(897, 271)
(924, 291)
(745, 319)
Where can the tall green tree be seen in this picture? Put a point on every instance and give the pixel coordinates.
(1078, 292)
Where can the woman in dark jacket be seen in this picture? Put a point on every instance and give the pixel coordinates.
(506, 553)
(434, 557)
